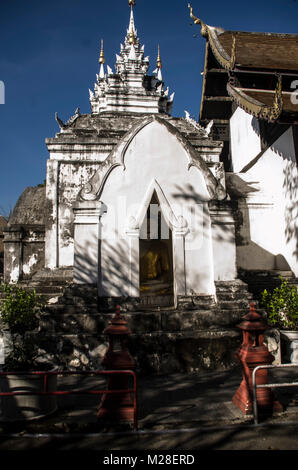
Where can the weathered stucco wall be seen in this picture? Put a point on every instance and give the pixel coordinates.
(24, 236)
(64, 181)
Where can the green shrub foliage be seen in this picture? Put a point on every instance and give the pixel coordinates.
(282, 306)
(19, 313)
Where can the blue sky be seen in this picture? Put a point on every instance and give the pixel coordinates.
(49, 57)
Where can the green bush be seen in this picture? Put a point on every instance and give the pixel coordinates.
(282, 306)
(19, 312)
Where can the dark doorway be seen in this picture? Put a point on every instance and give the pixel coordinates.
(156, 259)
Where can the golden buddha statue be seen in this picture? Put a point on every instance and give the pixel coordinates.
(155, 267)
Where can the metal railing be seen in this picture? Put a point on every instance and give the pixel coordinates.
(274, 385)
(45, 391)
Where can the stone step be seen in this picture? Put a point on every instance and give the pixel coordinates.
(234, 296)
(48, 289)
(58, 273)
(58, 308)
(232, 304)
(150, 301)
(138, 322)
(231, 289)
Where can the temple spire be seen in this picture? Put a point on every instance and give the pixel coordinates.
(132, 34)
(130, 88)
(101, 61)
(159, 65)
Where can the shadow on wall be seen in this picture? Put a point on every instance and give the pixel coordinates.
(116, 261)
(191, 195)
(290, 187)
(118, 267)
(250, 254)
(269, 136)
(258, 257)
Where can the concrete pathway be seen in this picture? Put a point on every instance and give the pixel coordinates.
(178, 411)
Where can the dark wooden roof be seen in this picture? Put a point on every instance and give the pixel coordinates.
(260, 70)
(266, 97)
(259, 50)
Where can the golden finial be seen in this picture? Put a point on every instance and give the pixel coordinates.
(102, 56)
(158, 61)
(131, 3)
(132, 31)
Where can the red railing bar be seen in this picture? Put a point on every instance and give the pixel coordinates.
(70, 372)
(77, 392)
(67, 392)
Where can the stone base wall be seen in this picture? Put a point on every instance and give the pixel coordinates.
(200, 334)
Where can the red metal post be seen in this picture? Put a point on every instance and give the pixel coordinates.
(117, 407)
(252, 353)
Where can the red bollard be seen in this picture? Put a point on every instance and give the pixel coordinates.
(117, 407)
(251, 354)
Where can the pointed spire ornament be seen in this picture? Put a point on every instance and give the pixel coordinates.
(159, 65)
(158, 61)
(102, 61)
(132, 30)
(132, 53)
(102, 56)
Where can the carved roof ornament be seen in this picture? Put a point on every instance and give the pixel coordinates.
(273, 112)
(63, 126)
(255, 107)
(226, 61)
(210, 33)
(204, 27)
(196, 125)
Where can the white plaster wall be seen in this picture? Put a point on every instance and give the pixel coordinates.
(154, 154)
(272, 210)
(244, 138)
(224, 248)
(86, 254)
